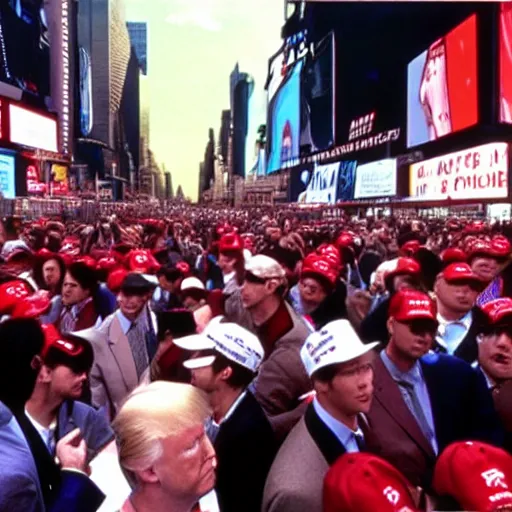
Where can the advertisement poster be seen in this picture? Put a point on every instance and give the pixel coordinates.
(31, 129)
(36, 185)
(506, 62)
(25, 46)
(442, 88)
(476, 173)
(7, 174)
(376, 179)
(326, 184)
(59, 184)
(284, 115)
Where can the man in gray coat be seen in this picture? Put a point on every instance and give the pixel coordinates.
(340, 367)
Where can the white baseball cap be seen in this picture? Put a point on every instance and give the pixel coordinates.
(265, 267)
(336, 343)
(232, 341)
(192, 283)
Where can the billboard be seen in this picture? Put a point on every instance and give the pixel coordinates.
(317, 98)
(328, 184)
(476, 173)
(505, 62)
(376, 179)
(31, 129)
(284, 120)
(7, 176)
(59, 181)
(442, 86)
(25, 46)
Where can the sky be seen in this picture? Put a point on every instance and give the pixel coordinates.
(193, 47)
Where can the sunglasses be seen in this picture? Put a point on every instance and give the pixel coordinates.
(251, 278)
(421, 327)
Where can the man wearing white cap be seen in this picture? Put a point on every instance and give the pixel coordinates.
(225, 360)
(340, 367)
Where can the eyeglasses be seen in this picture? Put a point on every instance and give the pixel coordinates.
(356, 371)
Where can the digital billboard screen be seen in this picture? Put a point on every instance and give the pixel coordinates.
(505, 62)
(283, 137)
(31, 129)
(476, 173)
(25, 46)
(327, 184)
(7, 176)
(317, 98)
(376, 179)
(442, 86)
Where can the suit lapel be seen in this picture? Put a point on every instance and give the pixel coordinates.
(389, 396)
(120, 348)
(324, 438)
(468, 348)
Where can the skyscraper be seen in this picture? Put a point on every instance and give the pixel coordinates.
(139, 38)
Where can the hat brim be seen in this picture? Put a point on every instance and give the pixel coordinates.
(199, 362)
(194, 343)
(474, 282)
(350, 356)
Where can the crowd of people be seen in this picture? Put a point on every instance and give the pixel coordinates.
(257, 360)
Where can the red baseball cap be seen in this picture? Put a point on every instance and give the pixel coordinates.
(32, 306)
(477, 475)
(360, 482)
(480, 248)
(409, 305)
(318, 267)
(140, 260)
(330, 253)
(405, 266)
(453, 255)
(461, 273)
(411, 247)
(497, 310)
(500, 246)
(345, 240)
(107, 264)
(231, 242)
(115, 280)
(11, 293)
(88, 261)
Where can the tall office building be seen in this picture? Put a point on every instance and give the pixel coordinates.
(139, 38)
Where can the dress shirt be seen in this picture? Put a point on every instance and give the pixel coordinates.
(414, 377)
(451, 334)
(47, 434)
(345, 435)
(212, 427)
(127, 324)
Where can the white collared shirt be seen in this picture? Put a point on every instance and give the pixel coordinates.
(345, 435)
(213, 427)
(450, 334)
(47, 433)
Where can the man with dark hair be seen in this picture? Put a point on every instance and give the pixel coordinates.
(225, 361)
(166, 296)
(340, 367)
(31, 481)
(53, 408)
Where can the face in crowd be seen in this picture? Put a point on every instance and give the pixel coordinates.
(312, 293)
(131, 303)
(346, 388)
(458, 297)
(412, 339)
(72, 291)
(495, 352)
(51, 273)
(255, 290)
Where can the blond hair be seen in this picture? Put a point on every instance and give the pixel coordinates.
(152, 413)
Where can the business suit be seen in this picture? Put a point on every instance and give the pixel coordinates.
(113, 374)
(296, 478)
(462, 409)
(467, 350)
(19, 484)
(245, 449)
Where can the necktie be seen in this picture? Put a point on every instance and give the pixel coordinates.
(136, 339)
(359, 439)
(417, 409)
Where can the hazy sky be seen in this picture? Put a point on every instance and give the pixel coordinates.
(193, 47)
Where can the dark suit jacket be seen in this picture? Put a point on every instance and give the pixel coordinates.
(19, 484)
(468, 348)
(245, 447)
(462, 408)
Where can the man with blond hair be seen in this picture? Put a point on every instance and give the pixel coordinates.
(163, 447)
